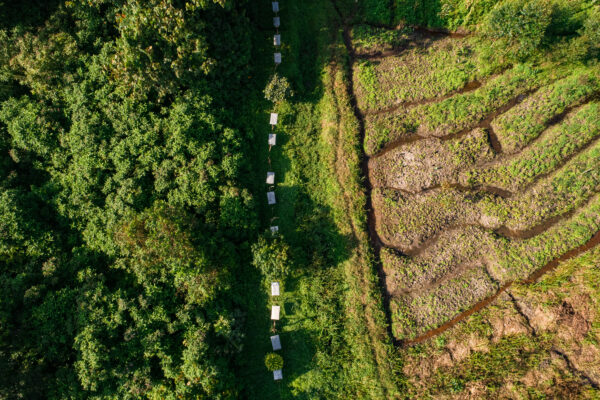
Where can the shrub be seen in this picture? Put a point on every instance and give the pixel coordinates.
(270, 256)
(591, 34)
(278, 89)
(520, 25)
(273, 361)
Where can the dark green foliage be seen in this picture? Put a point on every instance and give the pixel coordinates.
(590, 34)
(271, 257)
(273, 361)
(420, 12)
(376, 11)
(124, 211)
(520, 25)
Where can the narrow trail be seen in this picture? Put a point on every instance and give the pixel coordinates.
(373, 236)
(533, 278)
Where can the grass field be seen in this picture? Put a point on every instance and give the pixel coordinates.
(332, 327)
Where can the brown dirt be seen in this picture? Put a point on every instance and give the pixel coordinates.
(595, 240)
(428, 163)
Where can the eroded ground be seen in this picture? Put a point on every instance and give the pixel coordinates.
(481, 172)
(534, 341)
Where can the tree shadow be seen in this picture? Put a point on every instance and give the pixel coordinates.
(26, 13)
(311, 295)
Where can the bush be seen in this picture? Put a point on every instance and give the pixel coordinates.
(520, 25)
(270, 256)
(278, 89)
(273, 361)
(591, 34)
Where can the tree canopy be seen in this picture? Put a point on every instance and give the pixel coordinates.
(123, 210)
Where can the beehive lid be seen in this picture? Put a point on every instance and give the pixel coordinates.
(270, 178)
(278, 375)
(275, 5)
(277, 58)
(274, 288)
(274, 230)
(276, 22)
(272, 139)
(274, 118)
(277, 40)
(275, 342)
(271, 197)
(275, 313)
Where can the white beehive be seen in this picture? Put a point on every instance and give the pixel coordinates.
(275, 313)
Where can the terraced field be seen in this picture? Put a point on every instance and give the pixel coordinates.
(481, 172)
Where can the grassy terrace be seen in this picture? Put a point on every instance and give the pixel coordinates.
(458, 113)
(523, 124)
(483, 161)
(412, 169)
(409, 76)
(407, 221)
(483, 170)
(464, 267)
(558, 144)
(469, 160)
(495, 353)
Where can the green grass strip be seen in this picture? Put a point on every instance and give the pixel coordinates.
(544, 155)
(517, 128)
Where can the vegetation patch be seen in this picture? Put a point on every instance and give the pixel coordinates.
(457, 113)
(427, 69)
(558, 144)
(407, 221)
(526, 121)
(371, 41)
(535, 340)
(451, 264)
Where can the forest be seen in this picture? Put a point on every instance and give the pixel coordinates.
(125, 210)
(431, 156)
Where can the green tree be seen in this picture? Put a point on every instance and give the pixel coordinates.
(271, 257)
(273, 361)
(519, 25)
(278, 89)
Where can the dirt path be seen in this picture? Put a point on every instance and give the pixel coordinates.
(373, 236)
